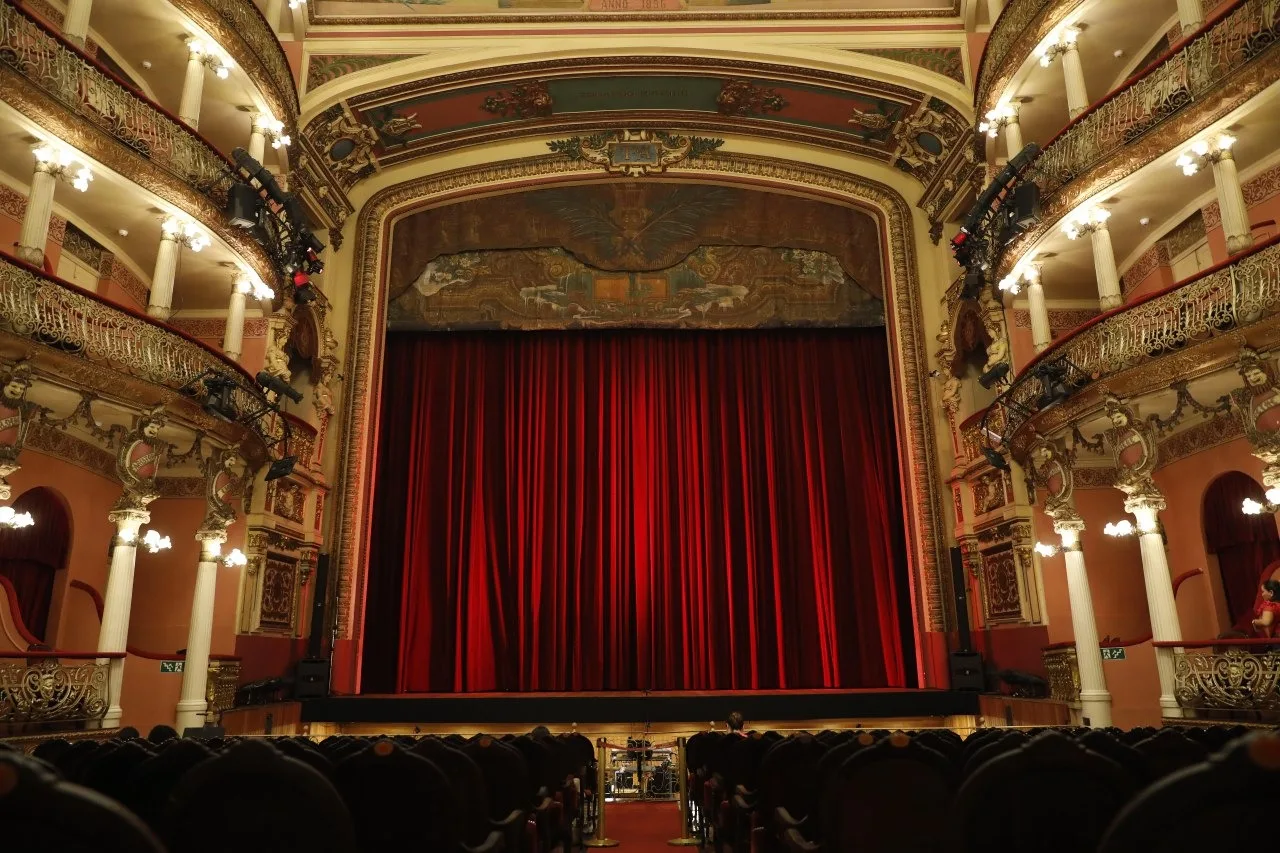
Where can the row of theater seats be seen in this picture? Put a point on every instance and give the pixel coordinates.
(338, 795)
(1049, 791)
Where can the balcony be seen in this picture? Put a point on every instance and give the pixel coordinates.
(1228, 62)
(1227, 678)
(71, 96)
(1021, 26)
(1191, 318)
(47, 690)
(74, 326)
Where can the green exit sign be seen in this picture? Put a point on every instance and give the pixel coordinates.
(176, 665)
(1113, 653)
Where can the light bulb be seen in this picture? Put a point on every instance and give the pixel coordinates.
(1009, 284)
(1200, 147)
(222, 72)
(196, 47)
(23, 520)
(235, 558)
(1045, 550)
(261, 291)
(243, 285)
(1069, 35)
(44, 154)
(1099, 215)
(6, 514)
(1251, 507)
(1225, 142)
(1273, 495)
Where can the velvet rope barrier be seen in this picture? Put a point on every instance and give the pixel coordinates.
(686, 838)
(601, 838)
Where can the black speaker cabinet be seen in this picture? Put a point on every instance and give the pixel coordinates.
(312, 681)
(967, 672)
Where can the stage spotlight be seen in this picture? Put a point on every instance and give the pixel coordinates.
(973, 283)
(303, 290)
(994, 375)
(243, 205)
(279, 386)
(281, 467)
(219, 401)
(995, 459)
(1053, 378)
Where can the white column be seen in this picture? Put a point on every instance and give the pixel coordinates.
(1012, 136)
(75, 24)
(233, 337)
(192, 88)
(161, 300)
(1165, 626)
(994, 8)
(1073, 72)
(1190, 15)
(1095, 701)
(1041, 335)
(35, 221)
(117, 602)
(1235, 213)
(257, 139)
(1104, 267)
(273, 12)
(192, 704)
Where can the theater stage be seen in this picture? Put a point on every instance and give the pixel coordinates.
(680, 707)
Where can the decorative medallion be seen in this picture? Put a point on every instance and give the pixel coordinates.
(635, 152)
(742, 98)
(526, 100)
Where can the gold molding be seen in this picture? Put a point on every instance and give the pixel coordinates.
(247, 37)
(926, 534)
(1020, 28)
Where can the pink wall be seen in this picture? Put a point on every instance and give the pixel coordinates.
(1134, 686)
(1158, 279)
(1114, 566)
(1021, 345)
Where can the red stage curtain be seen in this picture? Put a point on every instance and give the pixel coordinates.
(637, 510)
(30, 557)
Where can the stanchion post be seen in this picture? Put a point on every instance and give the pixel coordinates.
(601, 838)
(686, 814)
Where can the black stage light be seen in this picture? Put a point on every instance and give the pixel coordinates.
(281, 467)
(995, 459)
(243, 205)
(1026, 205)
(219, 401)
(278, 385)
(1053, 379)
(974, 279)
(994, 375)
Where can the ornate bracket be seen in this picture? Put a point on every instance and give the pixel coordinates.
(635, 153)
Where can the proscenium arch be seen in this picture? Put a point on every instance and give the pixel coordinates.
(918, 463)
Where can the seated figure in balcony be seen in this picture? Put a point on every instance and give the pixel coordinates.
(1266, 617)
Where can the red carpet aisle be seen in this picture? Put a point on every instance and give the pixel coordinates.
(643, 827)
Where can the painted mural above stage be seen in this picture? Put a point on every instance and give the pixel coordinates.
(373, 11)
(873, 119)
(721, 287)
(637, 226)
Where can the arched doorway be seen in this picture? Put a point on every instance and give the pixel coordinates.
(31, 557)
(1243, 544)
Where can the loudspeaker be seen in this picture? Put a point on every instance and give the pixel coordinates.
(204, 732)
(967, 671)
(1026, 205)
(319, 597)
(312, 679)
(243, 204)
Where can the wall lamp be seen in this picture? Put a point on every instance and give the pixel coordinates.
(1085, 221)
(996, 119)
(62, 162)
(1204, 152)
(10, 518)
(235, 558)
(1012, 283)
(1046, 550)
(185, 232)
(1272, 503)
(1056, 45)
(253, 287)
(210, 56)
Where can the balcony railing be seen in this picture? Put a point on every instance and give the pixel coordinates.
(1242, 291)
(240, 22)
(1203, 67)
(61, 315)
(1227, 675)
(220, 689)
(79, 84)
(1063, 671)
(1018, 23)
(53, 687)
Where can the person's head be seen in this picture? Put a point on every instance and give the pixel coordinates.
(1271, 590)
(736, 721)
(541, 732)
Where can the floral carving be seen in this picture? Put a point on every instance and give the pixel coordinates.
(526, 100)
(742, 98)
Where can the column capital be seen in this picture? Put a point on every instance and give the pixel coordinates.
(128, 522)
(216, 535)
(1146, 504)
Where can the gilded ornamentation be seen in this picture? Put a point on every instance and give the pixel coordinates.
(12, 202)
(1147, 263)
(118, 127)
(417, 18)
(1222, 67)
(988, 493)
(17, 414)
(1050, 469)
(1001, 599)
(1022, 25)
(1238, 679)
(946, 61)
(1094, 478)
(1202, 436)
(180, 487)
(56, 442)
(138, 460)
(347, 143)
(1060, 320)
(1134, 450)
(1258, 404)
(1063, 671)
(220, 688)
(526, 100)
(313, 181)
(925, 520)
(325, 68)
(220, 483)
(635, 153)
(743, 98)
(279, 579)
(49, 690)
(286, 500)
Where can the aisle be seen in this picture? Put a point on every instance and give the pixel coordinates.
(643, 827)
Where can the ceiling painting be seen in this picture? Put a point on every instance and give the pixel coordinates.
(947, 61)
(713, 287)
(884, 122)
(414, 11)
(325, 68)
(632, 227)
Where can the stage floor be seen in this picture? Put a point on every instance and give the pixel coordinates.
(645, 707)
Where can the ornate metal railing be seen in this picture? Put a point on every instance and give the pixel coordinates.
(1222, 298)
(1202, 67)
(240, 21)
(1228, 675)
(40, 687)
(60, 315)
(220, 688)
(76, 82)
(1063, 671)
